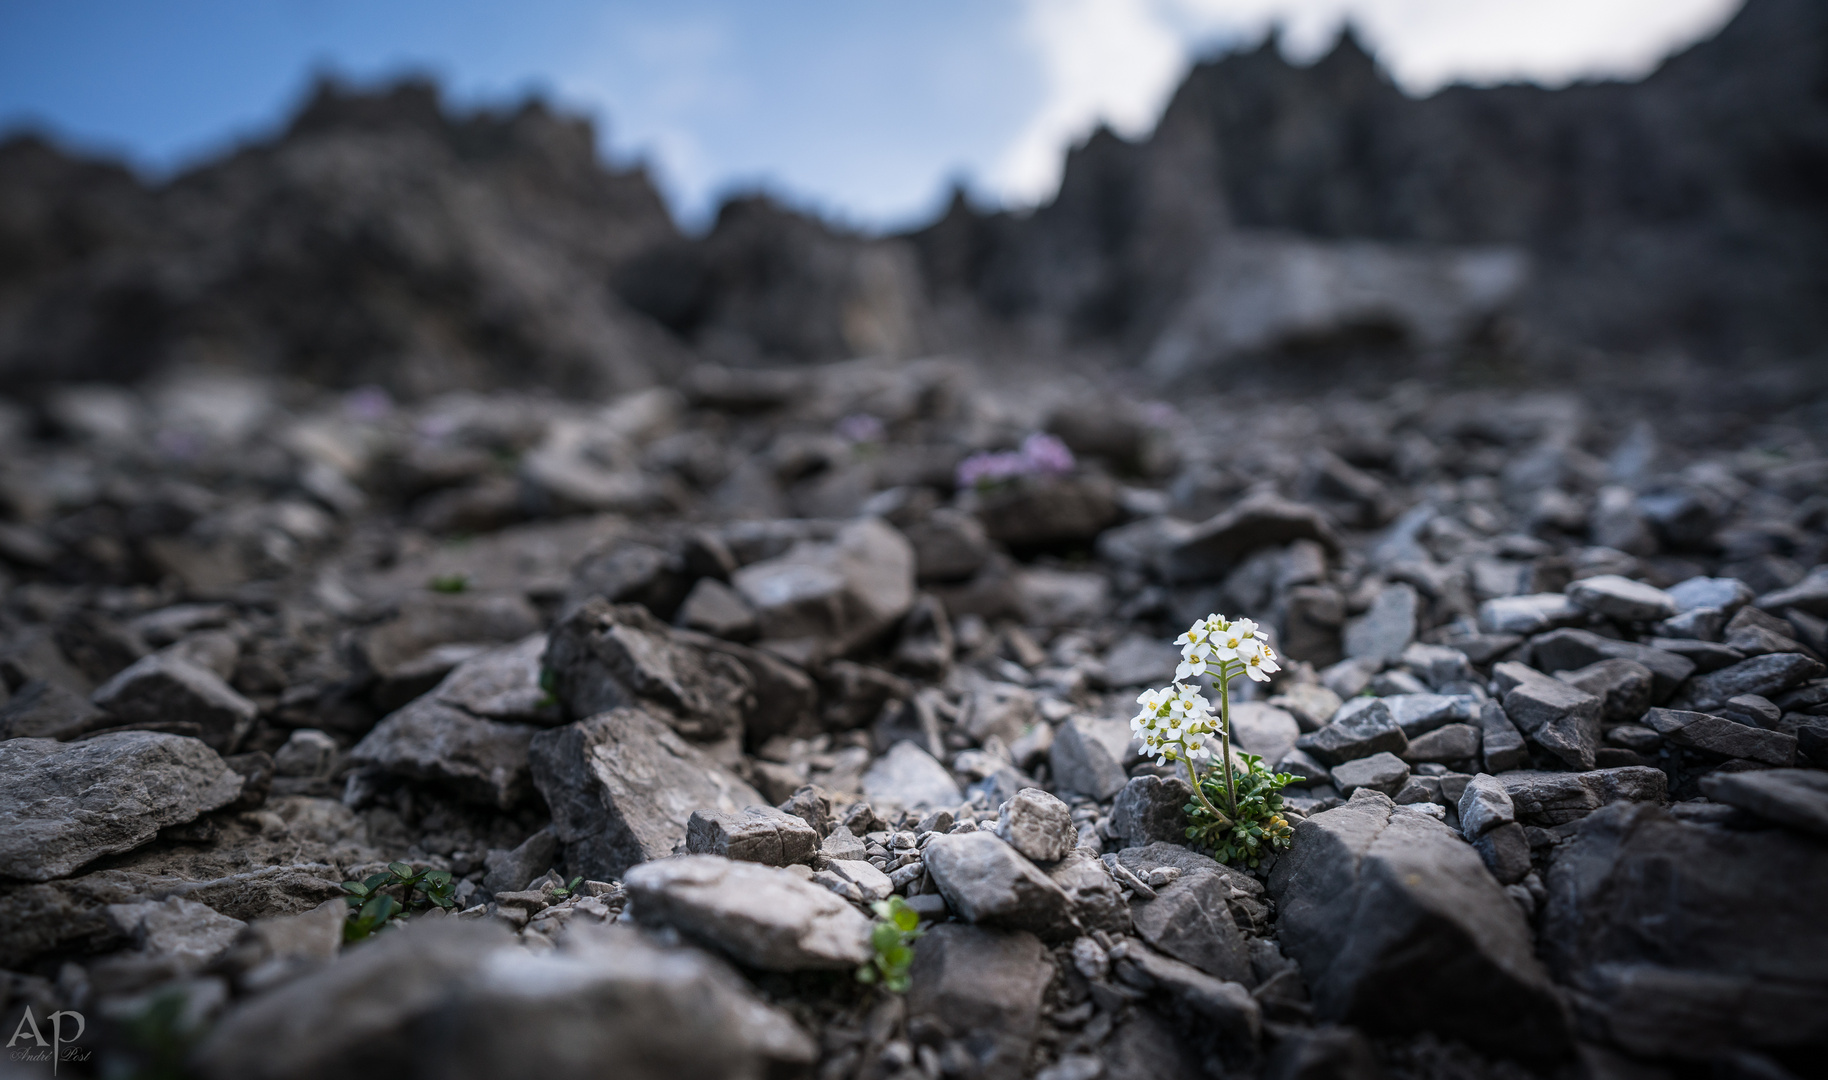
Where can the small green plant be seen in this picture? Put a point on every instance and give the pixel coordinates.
(451, 583)
(372, 907)
(897, 926)
(549, 688)
(1257, 827)
(567, 890)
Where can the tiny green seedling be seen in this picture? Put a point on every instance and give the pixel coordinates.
(371, 907)
(549, 688)
(897, 926)
(567, 890)
(451, 583)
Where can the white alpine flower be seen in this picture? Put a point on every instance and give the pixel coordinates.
(1260, 664)
(1173, 724)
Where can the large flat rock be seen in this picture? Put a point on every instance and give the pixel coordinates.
(63, 805)
(1398, 926)
(761, 916)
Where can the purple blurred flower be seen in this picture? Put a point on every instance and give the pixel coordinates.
(861, 428)
(1040, 455)
(368, 403)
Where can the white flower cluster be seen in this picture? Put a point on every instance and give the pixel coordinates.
(1174, 724)
(1213, 641)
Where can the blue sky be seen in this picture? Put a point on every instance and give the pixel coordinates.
(866, 110)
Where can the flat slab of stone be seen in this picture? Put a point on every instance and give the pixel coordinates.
(165, 687)
(503, 684)
(622, 787)
(1215, 546)
(760, 916)
(1797, 798)
(1568, 649)
(1371, 729)
(1622, 599)
(63, 805)
(1398, 926)
(1547, 799)
(1766, 676)
(757, 834)
(1530, 614)
(909, 777)
(1383, 772)
(1718, 735)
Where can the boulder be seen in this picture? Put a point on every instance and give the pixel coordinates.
(63, 805)
(607, 656)
(982, 989)
(1795, 798)
(1398, 926)
(1676, 940)
(1622, 599)
(760, 916)
(167, 688)
(822, 599)
(1372, 729)
(1767, 676)
(1548, 799)
(1718, 735)
(457, 999)
(757, 834)
(1151, 808)
(1037, 825)
(1559, 718)
(622, 787)
(986, 881)
(483, 761)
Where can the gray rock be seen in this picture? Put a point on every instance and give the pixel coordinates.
(1796, 798)
(1224, 1009)
(1484, 804)
(910, 777)
(512, 870)
(1559, 718)
(1263, 730)
(1370, 730)
(503, 684)
(986, 881)
(48, 710)
(1499, 739)
(1214, 547)
(1151, 808)
(1767, 676)
(1635, 737)
(1303, 767)
(1087, 757)
(1706, 656)
(1335, 1053)
(1384, 631)
(1311, 704)
(63, 805)
(1506, 853)
(1547, 799)
(1245, 894)
(621, 788)
(482, 761)
(1091, 894)
(168, 939)
(608, 656)
(760, 916)
(1037, 825)
(1698, 624)
(307, 754)
(842, 845)
(949, 545)
(870, 883)
(1720, 593)
(1715, 957)
(434, 632)
(1454, 742)
(1718, 735)
(714, 608)
(1050, 511)
(457, 999)
(1809, 595)
(1526, 615)
(1397, 926)
(1437, 664)
(1622, 599)
(1623, 687)
(757, 834)
(786, 697)
(165, 688)
(1567, 650)
(1190, 919)
(982, 989)
(1752, 710)
(1140, 660)
(823, 599)
(1418, 714)
(1383, 772)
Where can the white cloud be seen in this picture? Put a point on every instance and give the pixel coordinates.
(1117, 60)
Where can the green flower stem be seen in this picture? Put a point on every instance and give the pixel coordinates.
(1231, 783)
(1201, 794)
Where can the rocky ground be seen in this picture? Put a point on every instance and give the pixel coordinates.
(744, 657)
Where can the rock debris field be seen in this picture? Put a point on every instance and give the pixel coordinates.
(678, 683)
